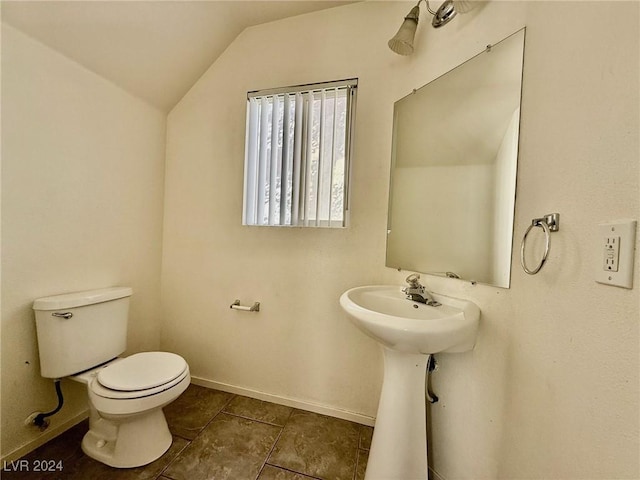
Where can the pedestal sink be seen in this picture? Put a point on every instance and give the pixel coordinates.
(409, 332)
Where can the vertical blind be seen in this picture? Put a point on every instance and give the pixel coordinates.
(297, 155)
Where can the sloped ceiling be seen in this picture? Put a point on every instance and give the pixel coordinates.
(154, 49)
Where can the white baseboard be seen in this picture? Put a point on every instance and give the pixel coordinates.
(50, 433)
(287, 401)
(433, 475)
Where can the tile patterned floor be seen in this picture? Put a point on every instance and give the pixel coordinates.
(220, 436)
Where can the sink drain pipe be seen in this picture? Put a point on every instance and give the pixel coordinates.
(41, 419)
(432, 365)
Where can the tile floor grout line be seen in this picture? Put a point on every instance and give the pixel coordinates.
(355, 470)
(246, 417)
(266, 458)
(292, 471)
(233, 395)
(173, 460)
(355, 465)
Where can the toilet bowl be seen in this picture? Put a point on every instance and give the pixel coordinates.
(127, 427)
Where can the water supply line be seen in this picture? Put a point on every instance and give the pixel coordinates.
(40, 420)
(432, 365)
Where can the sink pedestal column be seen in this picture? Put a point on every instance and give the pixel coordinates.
(399, 445)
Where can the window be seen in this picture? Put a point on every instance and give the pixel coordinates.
(298, 143)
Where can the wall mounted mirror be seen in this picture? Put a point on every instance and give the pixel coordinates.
(453, 169)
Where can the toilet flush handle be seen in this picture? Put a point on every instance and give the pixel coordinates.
(66, 315)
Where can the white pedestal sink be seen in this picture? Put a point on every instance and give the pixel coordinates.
(408, 332)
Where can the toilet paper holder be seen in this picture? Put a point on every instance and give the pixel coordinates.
(253, 308)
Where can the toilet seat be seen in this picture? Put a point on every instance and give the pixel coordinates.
(114, 404)
(140, 375)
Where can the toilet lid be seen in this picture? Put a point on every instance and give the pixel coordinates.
(142, 371)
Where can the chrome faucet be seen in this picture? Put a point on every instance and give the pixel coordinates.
(417, 293)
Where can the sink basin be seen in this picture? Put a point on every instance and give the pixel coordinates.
(384, 313)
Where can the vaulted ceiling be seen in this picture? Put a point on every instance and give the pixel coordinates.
(154, 49)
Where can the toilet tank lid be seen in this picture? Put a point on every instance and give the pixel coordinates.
(80, 299)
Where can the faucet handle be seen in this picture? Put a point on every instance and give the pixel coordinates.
(412, 280)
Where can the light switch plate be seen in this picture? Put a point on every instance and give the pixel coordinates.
(616, 249)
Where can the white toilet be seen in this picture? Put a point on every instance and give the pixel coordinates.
(80, 336)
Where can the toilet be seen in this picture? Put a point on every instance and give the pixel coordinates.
(81, 337)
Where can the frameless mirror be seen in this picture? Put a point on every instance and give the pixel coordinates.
(453, 169)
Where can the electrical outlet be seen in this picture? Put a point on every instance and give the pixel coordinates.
(618, 241)
(611, 253)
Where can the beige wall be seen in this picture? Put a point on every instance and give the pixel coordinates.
(551, 390)
(82, 193)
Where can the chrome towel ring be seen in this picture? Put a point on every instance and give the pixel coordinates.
(549, 223)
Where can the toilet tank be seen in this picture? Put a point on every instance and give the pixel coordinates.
(78, 331)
